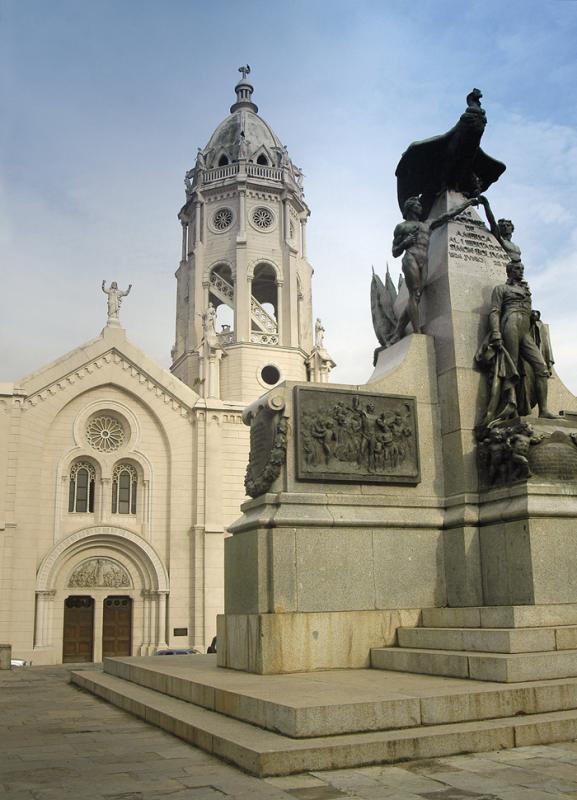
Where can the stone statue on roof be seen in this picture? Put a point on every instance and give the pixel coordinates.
(115, 296)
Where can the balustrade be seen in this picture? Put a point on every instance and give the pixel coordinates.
(264, 338)
(218, 173)
(262, 317)
(259, 171)
(222, 286)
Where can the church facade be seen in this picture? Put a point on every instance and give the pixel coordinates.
(118, 477)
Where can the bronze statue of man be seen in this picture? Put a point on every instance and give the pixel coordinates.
(509, 348)
(412, 237)
(502, 230)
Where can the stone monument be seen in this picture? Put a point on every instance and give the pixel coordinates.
(448, 480)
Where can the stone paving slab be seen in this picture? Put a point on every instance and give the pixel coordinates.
(38, 709)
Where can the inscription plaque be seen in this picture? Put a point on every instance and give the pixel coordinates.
(357, 437)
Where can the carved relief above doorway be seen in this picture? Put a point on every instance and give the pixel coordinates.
(100, 572)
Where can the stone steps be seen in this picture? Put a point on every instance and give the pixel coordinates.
(506, 644)
(331, 703)
(500, 616)
(490, 640)
(481, 666)
(265, 753)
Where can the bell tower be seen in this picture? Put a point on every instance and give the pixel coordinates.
(244, 305)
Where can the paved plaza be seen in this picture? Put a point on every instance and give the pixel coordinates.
(60, 742)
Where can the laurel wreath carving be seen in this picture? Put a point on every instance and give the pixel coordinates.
(256, 485)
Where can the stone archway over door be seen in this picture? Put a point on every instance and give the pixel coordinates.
(104, 561)
(78, 639)
(117, 627)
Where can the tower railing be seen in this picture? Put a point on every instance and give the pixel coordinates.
(224, 289)
(262, 318)
(259, 171)
(218, 173)
(252, 170)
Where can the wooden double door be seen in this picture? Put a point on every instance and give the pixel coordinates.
(79, 627)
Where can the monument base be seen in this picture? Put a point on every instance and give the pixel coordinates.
(282, 724)
(279, 643)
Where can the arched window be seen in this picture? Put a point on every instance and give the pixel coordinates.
(221, 295)
(223, 161)
(81, 488)
(262, 159)
(264, 291)
(124, 484)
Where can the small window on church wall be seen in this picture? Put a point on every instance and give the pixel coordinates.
(124, 485)
(81, 488)
(262, 159)
(270, 374)
(223, 161)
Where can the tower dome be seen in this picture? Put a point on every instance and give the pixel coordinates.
(243, 135)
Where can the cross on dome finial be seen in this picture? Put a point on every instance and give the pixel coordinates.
(244, 92)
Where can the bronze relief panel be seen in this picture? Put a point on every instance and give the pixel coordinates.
(357, 437)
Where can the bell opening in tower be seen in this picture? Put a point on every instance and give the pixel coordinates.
(264, 326)
(221, 295)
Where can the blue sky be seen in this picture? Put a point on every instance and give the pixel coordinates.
(104, 104)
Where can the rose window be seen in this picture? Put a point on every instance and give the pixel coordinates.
(105, 434)
(222, 219)
(262, 218)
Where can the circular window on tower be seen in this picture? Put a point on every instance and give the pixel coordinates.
(262, 218)
(222, 219)
(105, 433)
(270, 375)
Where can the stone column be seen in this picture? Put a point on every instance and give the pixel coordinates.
(145, 646)
(286, 219)
(213, 381)
(241, 215)
(304, 238)
(161, 619)
(43, 626)
(61, 504)
(98, 600)
(104, 503)
(280, 315)
(242, 297)
(146, 508)
(197, 218)
(184, 240)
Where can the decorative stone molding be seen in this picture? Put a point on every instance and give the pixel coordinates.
(144, 552)
(217, 196)
(235, 419)
(111, 357)
(46, 594)
(267, 197)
